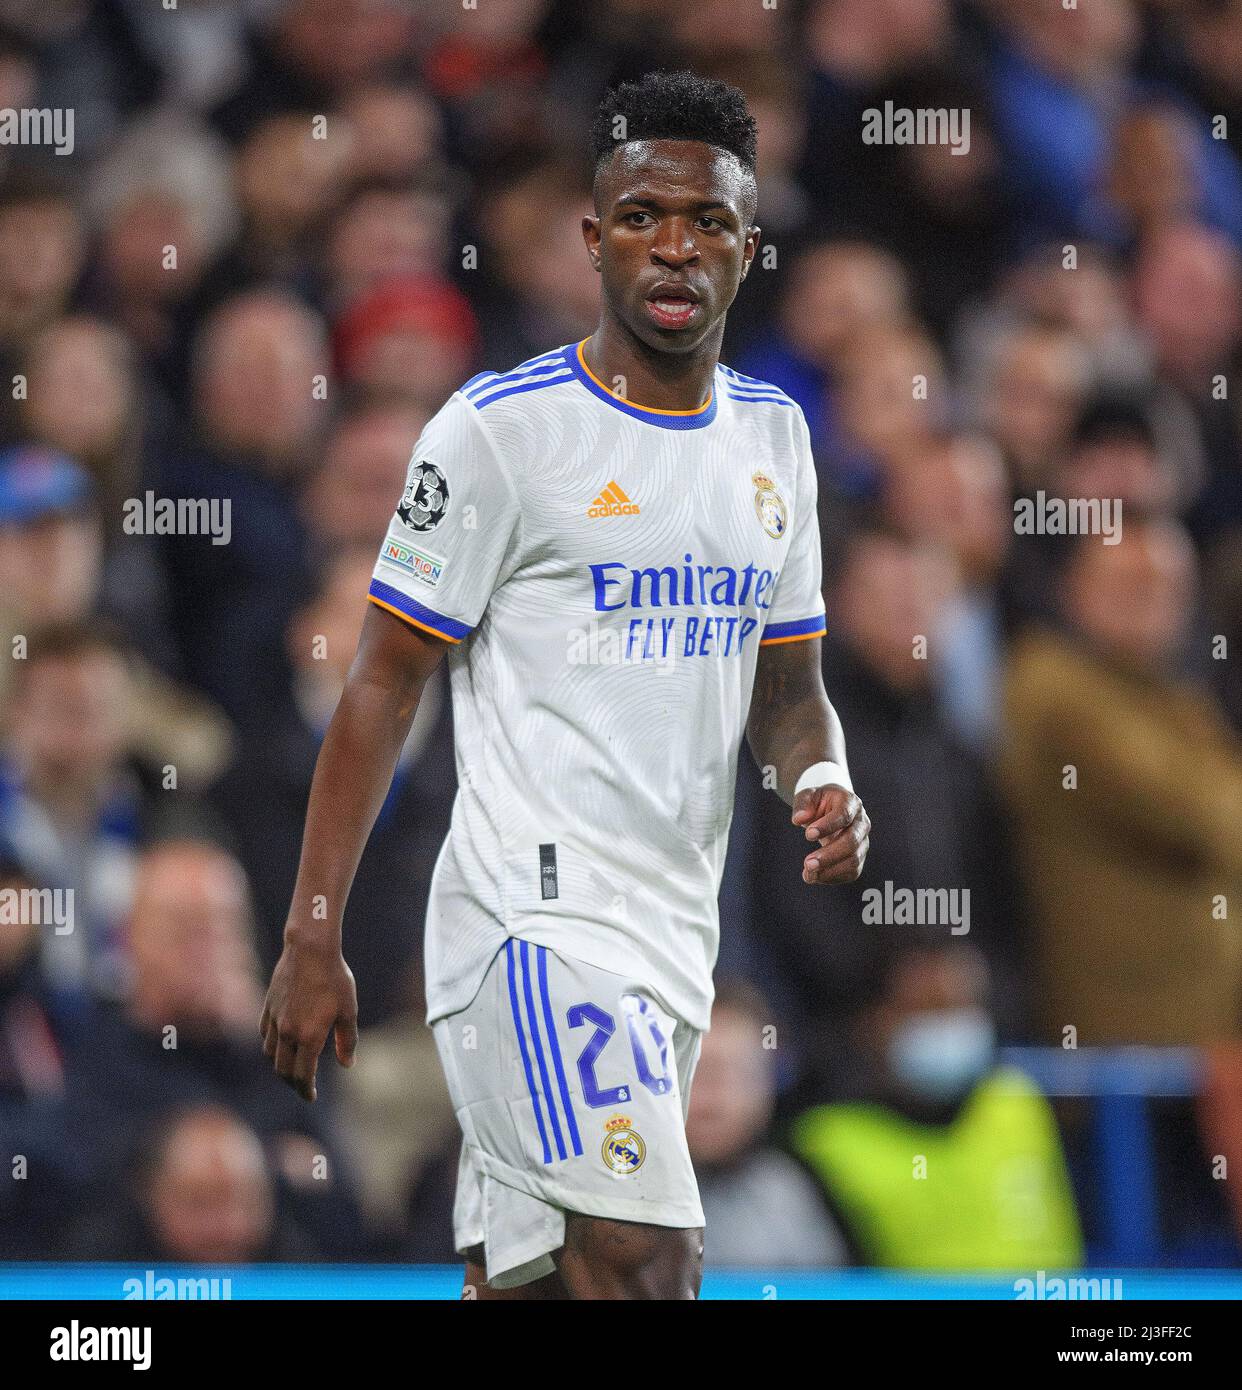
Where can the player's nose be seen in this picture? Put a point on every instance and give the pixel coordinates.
(674, 247)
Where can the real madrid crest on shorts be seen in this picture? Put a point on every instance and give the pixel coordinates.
(623, 1149)
(770, 505)
(425, 499)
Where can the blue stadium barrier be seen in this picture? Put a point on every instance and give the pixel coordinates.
(1119, 1081)
(119, 1281)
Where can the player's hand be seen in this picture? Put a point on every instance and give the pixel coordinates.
(840, 827)
(312, 992)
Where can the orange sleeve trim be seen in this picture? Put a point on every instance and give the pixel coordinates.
(794, 637)
(413, 622)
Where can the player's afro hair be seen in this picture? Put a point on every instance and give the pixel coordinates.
(675, 106)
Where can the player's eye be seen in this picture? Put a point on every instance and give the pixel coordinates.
(713, 223)
(630, 216)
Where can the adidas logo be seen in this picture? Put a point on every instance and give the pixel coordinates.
(612, 502)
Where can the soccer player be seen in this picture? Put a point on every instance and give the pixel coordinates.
(616, 546)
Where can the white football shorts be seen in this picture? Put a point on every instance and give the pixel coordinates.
(570, 1084)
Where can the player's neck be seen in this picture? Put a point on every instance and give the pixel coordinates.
(657, 380)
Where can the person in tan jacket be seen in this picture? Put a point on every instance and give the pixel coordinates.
(1125, 782)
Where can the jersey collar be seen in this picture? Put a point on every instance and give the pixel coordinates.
(664, 419)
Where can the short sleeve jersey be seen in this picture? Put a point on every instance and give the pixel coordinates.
(604, 575)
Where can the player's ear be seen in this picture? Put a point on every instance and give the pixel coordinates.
(590, 234)
(752, 245)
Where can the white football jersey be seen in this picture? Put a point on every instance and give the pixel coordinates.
(605, 574)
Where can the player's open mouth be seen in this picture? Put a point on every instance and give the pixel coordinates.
(672, 312)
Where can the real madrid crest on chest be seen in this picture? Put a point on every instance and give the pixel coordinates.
(425, 499)
(770, 506)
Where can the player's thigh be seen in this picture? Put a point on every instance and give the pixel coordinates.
(607, 1259)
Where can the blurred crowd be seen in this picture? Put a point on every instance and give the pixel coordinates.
(286, 231)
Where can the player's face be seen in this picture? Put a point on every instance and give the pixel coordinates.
(672, 240)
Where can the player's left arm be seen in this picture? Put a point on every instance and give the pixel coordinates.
(791, 728)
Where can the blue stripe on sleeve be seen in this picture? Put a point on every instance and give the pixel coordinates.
(428, 617)
(485, 396)
(803, 627)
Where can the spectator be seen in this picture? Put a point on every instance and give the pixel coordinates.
(258, 418)
(948, 1160)
(397, 1123)
(1126, 787)
(891, 402)
(1076, 289)
(51, 538)
(287, 174)
(1188, 297)
(1212, 37)
(531, 303)
(954, 495)
(397, 132)
(385, 232)
(931, 796)
(83, 400)
(836, 291)
(42, 245)
(857, 50)
(1152, 178)
(185, 1035)
(413, 338)
(1188, 301)
(762, 1211)
(35, 1029)
(349, 500)
(1116, 458)
(1032, 382)
(312, 55)
(487, 70)
(52, 570)
(776, 97)
(198, 1192)
(33, 1022)
(72, 804)
(162, 200)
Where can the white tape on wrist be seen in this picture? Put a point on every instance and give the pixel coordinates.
(824, 775)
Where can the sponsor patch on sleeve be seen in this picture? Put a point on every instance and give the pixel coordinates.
(412, 559)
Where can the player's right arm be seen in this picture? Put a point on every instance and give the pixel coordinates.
(455, 530)
(312, 990)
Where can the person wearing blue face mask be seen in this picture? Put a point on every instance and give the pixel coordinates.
(939, 1056)
(950, 1160)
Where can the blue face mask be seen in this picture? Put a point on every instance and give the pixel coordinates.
(939, 1056)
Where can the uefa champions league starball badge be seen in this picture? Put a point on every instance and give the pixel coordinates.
(770, 506)
(425, 499)
(623, 1149)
